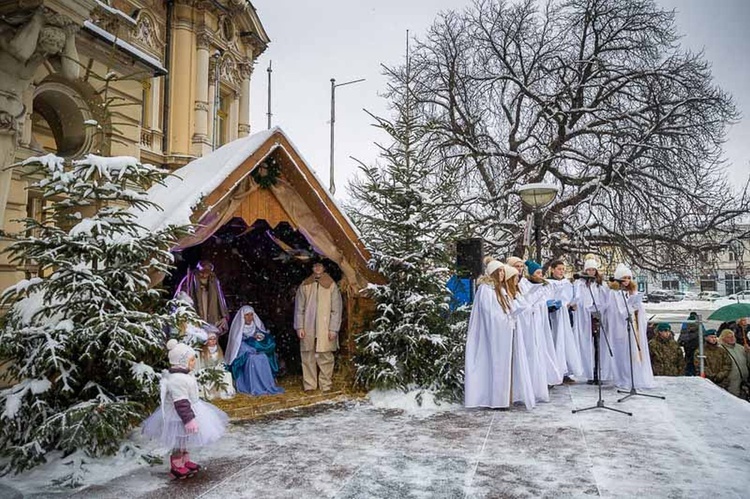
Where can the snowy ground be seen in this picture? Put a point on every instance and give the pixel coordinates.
(694, 444)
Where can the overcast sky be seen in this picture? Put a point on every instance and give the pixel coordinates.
(314, 41)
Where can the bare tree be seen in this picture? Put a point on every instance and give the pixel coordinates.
(596, 96)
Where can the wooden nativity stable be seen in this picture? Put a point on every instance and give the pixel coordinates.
(260, 213)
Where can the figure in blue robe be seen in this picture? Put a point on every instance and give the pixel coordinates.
(251, 354)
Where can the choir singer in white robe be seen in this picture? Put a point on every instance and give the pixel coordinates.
(567, 353)
(617, 321)
(492, 348)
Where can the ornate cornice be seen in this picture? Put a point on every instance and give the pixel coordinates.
(245, 70)
(203, 40)
(251, 39)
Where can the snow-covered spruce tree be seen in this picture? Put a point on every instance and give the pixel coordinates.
(402, 207)
(82, 338)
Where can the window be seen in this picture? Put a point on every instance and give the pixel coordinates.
(222, 115)
(733, 284)
(672, 284)
(708, 283)
(146, 105)
(62, 122)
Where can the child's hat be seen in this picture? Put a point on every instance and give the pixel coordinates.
(179, 353)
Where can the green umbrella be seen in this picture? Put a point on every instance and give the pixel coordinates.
(731, 312)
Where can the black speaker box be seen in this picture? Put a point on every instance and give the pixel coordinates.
(469, 256)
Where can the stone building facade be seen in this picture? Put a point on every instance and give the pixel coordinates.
(165, 81)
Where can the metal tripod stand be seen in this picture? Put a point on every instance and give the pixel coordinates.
(600, 401)
(631, 331)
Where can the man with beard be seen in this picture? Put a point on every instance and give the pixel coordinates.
(204, 288)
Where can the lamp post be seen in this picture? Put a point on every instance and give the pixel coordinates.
(332, 187)
(537, 196)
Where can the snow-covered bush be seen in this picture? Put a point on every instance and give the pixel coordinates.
(83, 336)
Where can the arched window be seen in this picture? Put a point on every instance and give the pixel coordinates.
(62, 121)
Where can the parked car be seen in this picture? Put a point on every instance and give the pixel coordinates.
(661, 295)
(709, 296)
(741, 296)
(679, 295)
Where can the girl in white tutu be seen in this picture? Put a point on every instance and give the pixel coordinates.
(183, 421)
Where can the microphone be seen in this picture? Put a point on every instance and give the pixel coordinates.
(584, 276)
(612, 279)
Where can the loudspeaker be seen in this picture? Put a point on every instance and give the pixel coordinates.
(469, 256)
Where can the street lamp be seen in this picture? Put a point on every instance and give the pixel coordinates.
(332, 187)
(537, 196)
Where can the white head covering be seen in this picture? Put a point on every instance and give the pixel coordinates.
(238, 326)
(493, 266)
(513, 260)
(510, 271)
(622, 270)
(179, 353)
(590, 264)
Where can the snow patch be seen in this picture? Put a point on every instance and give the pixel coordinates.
(65, 325)
(407, 402)
(49, 161)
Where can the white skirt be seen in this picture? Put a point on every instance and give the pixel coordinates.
(212, 423)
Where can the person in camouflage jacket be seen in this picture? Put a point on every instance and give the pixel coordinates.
(718, 364)
(666, 354)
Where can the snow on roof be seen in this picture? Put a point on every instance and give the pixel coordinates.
(116, 12)
(133, 51)
(182, 192)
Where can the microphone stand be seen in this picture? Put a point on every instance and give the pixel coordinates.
(631, 331)
(598, 359)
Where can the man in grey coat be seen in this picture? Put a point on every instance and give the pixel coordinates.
(317, 320)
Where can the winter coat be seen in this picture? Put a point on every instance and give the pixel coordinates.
(740, 369)
(718, 364)
(180, 393)
(666, 357)
(317, 310)
(740, 334)
(689, 336)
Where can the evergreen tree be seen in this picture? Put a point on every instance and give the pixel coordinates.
(403, 209)
(82, 338)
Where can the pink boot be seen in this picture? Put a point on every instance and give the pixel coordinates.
(177, 466)
(193, 467)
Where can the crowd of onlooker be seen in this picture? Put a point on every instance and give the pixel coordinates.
(726, 353)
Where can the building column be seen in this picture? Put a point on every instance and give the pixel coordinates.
(234, 117)
(246, 70)
(200, 137)
(181, 95)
